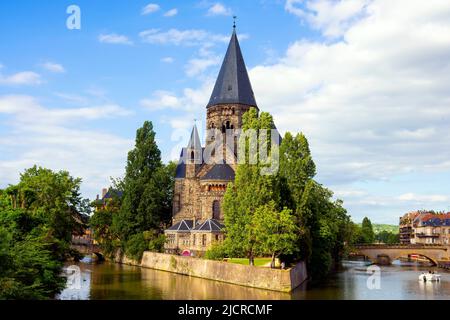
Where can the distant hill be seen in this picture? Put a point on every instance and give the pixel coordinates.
(377, 228)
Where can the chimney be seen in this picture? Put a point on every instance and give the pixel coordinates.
(104, 192)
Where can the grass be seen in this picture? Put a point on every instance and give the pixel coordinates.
(258, 261)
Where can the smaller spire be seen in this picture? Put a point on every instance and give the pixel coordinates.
(194, 141)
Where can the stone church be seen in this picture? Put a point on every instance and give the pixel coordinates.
(203, 173)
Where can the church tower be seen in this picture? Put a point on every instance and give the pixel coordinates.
(203, 174)
(231, 98)
(194, 154)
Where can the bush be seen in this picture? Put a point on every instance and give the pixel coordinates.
(157, 244)
(136, 246)
(216, 252)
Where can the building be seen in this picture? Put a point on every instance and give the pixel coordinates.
(201, 176)
(406, 231)
(425, 227)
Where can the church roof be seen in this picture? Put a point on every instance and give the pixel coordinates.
(180, 172)
(233, 84)
(220, 172)
(209, 226)
(182, 226)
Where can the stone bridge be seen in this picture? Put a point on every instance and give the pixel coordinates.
(87, 247)
(385, 254)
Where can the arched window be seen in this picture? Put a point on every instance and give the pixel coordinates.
(176, 203)
(216, 209)
(192, 156)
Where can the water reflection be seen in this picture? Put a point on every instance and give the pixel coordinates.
(113, 281)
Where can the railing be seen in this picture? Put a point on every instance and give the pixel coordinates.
(399, 246)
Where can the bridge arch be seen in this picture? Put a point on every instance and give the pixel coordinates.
(385, 254)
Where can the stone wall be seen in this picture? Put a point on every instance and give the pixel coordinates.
(256, 277)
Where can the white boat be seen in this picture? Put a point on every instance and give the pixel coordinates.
(429, 277)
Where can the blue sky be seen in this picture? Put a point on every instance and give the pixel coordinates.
(366, 80)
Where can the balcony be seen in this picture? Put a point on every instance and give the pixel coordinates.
(424, 235)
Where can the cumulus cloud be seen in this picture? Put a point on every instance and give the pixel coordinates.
(21, 78)
(171, 13)
(191, 100)
(167, 60)
(189, 37)
(374, 103)
(332, 17)
(53, 67)
(150, 8)
(55, 138)
(113, 38)
(218, 9)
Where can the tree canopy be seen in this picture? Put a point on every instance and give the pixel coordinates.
(285, 214)
(37, 219)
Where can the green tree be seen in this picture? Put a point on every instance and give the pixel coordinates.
(368, 236)
(249, 191)
(276, 232)
(147, 194)
(387, 237)
(37, 219)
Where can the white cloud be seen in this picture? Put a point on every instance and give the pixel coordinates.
(171, 13)
(150, 8)
(191, 100)
(29, 111)
(374, 103)
(197, 66)
(424, 198)
(21, 78)
(53, 67)
(56, 138)
(161, 100)
(113, 38)
(167, 60)
(190, 37)
(332, 17)
(218, 9)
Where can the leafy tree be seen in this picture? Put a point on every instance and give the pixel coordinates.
(276, 231)
(387, 237)
(216, 252)
(146, 204)
(322, 226)
(37, 219)
(249, 191)
(368, 236)
(135, 246)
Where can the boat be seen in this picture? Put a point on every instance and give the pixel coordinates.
(429, 277)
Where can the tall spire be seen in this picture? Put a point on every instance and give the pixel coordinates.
(194, 141)
(233, 84)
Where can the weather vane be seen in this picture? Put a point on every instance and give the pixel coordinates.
(234, 21)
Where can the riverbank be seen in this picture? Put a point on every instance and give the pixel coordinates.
(243, 275)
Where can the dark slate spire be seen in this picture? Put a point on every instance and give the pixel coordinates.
(194, 141)
(233, 84)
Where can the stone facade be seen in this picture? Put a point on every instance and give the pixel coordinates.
(203, 173)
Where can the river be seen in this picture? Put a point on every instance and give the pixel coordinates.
(108, 281)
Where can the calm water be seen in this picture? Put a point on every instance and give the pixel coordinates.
(113, 281)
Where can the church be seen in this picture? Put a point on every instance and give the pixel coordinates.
(203, 172)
